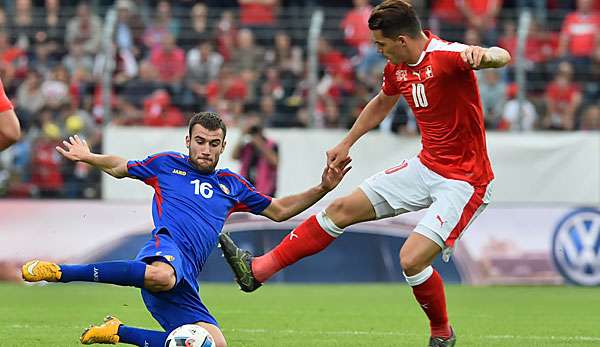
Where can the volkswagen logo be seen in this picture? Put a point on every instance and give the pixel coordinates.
(576, 247)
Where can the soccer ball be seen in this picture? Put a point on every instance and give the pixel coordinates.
(190, 335)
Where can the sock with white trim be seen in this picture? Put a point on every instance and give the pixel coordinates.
(428, 289)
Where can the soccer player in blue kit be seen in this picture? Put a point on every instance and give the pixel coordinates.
(192, 200)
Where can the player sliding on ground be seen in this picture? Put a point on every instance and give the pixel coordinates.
(451, 175)
(191, 203)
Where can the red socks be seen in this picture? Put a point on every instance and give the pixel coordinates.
(431, 297)
(307, 239)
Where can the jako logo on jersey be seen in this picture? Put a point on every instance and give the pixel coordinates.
(224, 188)
(576, 247)
(179, 172)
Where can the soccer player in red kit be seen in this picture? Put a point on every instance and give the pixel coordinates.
(450, 177)
(10, 130)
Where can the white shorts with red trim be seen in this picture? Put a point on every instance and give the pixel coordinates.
(411, 186)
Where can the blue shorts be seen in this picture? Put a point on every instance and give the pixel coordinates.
(182, 304)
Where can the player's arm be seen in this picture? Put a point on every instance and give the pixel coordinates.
(78, 150)
(281, 209)
(370, 117)
(10, 130)
(483, 58)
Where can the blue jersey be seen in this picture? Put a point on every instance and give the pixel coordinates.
(191, 205)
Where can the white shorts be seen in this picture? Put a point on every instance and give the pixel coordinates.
(411, 186)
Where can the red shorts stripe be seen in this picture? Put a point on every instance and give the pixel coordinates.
(468, 212)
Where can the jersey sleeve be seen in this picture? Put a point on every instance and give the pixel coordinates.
(388, 86)
(149, 167)
(249, 199)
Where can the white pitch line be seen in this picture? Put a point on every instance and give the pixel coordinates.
(394, 333)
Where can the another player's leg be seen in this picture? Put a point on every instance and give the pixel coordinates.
(310, 237)
(416, 257)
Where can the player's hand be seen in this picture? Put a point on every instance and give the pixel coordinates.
(473, 56)
(76, 149)
(337, 156)
(333, 176)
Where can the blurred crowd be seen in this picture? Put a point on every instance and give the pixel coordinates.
(248, 58)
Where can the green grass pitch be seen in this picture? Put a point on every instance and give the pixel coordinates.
(316, 315)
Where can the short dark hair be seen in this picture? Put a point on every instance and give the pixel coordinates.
(208, 120)
(393, 18)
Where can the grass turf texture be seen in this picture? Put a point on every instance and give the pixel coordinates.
(316, 315)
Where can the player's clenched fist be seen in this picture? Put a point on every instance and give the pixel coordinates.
(77, 149)
(473, 56)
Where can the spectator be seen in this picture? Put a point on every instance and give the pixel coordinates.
(259, 16)
(163, 25)
(23, 24)
(355, 26)
(227, 93)
(285, 56)
(52, 28)
(46, 162)
(590, 119)
(480, 16)
(203, 65)
(493, 96)
(226, 34)
(78, 59)
(13, 60)
(30, 99)
(447, 18)
(579, 35)
(130, 102)
(84, 27)
(513, 118)
(258, 156)
(129, 28)
(197, 28)
(247, 55)
(169, 61)
(159, 112)
(563, 98)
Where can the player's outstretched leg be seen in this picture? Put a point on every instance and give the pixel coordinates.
(124, 273)
(307, 239)
(112, 331)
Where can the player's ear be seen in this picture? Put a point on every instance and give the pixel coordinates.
(223, 147)
(187, 141)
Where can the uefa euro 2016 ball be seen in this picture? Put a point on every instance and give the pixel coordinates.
(190, 335)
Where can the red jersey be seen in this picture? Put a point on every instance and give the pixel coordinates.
(582, 30)
(442, 92)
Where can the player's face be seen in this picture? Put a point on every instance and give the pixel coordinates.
(205, 147)
(395, 50)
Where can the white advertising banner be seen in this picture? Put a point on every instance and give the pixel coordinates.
(529, 167)
(504, 245)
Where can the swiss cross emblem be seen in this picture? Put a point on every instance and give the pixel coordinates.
(401, 75)
(428, 72)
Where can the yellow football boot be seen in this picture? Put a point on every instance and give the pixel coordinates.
(105, 333)
(37, 270)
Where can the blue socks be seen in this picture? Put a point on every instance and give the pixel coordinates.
(123, 273)
(142, 337)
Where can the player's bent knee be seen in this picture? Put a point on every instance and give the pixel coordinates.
(339, 212)
(411, 262)
(159, 278)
